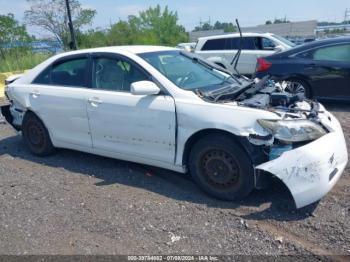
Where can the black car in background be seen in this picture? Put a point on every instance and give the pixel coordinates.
(319, 69)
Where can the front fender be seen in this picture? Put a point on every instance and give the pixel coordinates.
(312, 170)
(236, 120)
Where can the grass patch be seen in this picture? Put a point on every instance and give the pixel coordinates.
(19, 61)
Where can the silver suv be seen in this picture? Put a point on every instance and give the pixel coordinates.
(221, 49)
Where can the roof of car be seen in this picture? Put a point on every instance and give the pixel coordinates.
(135, 49)
(312, 45)
(232, 35)
(329, 41)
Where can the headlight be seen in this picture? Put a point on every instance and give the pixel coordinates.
(293, 130)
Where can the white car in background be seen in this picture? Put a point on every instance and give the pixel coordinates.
(221, 49)
(172, 109)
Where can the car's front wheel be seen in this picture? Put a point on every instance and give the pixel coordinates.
(36, 136)
(221, 168)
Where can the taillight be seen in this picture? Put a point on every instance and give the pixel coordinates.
(262, 65)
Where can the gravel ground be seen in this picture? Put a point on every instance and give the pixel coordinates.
(77, 203)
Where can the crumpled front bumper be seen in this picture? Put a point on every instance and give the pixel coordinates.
(312, 170)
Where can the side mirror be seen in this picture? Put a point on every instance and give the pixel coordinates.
(144, 88)
(278, 48)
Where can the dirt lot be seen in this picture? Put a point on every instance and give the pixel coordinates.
(76, 203)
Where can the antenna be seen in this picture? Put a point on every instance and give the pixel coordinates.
(238, 54)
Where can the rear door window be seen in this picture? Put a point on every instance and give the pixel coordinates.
(72, 72)
(338, 53)
(233, 43)
(215, 44)
(250, 43)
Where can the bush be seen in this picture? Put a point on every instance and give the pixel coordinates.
(21, 60)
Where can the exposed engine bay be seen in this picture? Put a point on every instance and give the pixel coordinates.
(264, 94)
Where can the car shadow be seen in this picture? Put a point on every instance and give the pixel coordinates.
(336, 106)
(273, 203)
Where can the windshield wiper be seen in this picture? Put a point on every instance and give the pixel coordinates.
(238, 54)
(209, 65)
(235, 92)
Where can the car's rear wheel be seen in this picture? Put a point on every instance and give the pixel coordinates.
(36, 136)
(298, 86)
(221, 168)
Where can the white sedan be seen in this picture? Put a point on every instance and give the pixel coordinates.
(168, 108)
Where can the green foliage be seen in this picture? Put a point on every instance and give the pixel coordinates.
(21, 60)
(15, 50)
(227, 27)
(335, 31)
(11, 34)
(332, 23)
(151, 27)
(11, 30)
(51, 15)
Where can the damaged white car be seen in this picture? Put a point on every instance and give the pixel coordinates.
(167, 108)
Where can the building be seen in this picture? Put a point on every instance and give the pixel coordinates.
(304, 29)
(293, 30)
(194, 35)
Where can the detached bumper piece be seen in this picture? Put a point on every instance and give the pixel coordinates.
(312, 170)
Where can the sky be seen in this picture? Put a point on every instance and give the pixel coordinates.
(191, 12)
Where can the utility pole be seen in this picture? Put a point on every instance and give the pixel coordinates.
(73, 43)
(347, 15)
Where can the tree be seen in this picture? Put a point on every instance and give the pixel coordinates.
(12, 34)
(281, 21)
(51, 15)
(158, 27)
(277, 21)
(152, 26)
(227, 27)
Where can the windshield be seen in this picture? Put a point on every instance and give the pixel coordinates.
(186, 73)
(284, 40)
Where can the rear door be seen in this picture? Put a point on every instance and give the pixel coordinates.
(329, 70)
(216, 51)
(58, 96)
(252, 49)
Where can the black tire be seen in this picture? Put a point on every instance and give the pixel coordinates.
(221, 168)
(36, 136)
(303, 84)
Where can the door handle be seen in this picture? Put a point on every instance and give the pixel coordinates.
(94, 101)
(35, 94)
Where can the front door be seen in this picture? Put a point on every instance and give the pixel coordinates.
(127, 124)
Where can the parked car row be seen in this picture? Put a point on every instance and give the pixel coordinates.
(318, 69)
